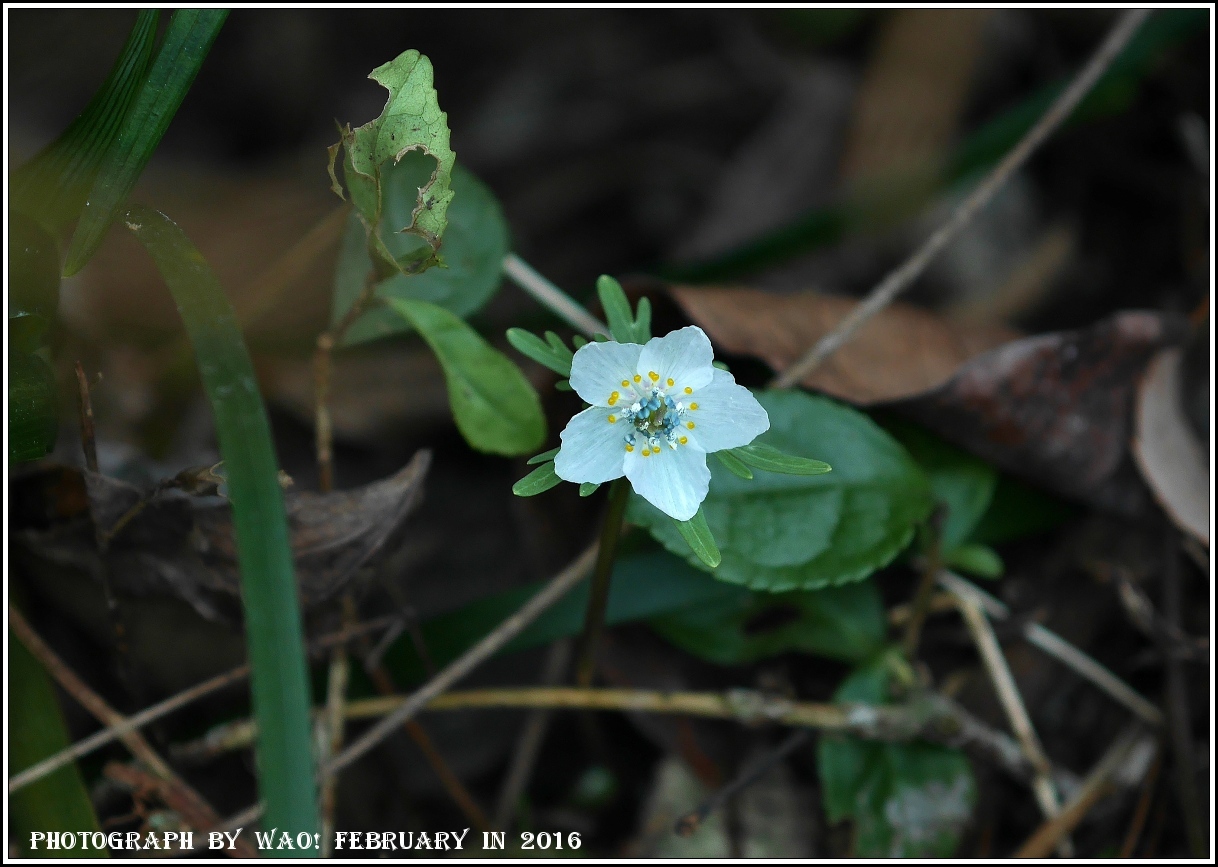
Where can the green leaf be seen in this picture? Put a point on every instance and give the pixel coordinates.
(783, 532)
(286, 772)
(961, 483)
(642, 321)
(617, 309)
(1017, 510)
(563, 385)
(908, 800)
(542, 458)
(537, 482)
(734, 465)
(188, 39)
(644, 585)
(846, 623)
(411, 121)
(53, 185)
(33, 282)
(474, 245)
(57, 802)
(587, 489)
(976, 559)
(765, 457)
(531, 346)
(495, 407)
(33, 408)
(700, 539)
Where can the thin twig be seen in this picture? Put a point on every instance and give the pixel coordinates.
(926, 584)
(336, 697)
(1043, 786)
(1138, 822)
(901, 278)
(598, 597)
(1178, 716)
(690, 822)
(164, 708)
(491, 643)
(323, 429)
(88, 439)
(1101, 781)
(1057, 647)
(551, 297)
(528, 744)
(202, 815)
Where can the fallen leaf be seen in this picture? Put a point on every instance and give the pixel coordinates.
(1170, 457)
(901, 352)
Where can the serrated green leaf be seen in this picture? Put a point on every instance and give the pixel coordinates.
(33, 408)
(782, 532)
(187, 40)
(734, 464)
(976, 559)
(542, 458)
(587, 489)
(617, 309)
(765, 457)
(846, 623)
(908, 800)
(537, 482)
(495, 407)
(700, 539)
(53, 185)
(411, 120)
(531, 346)
(473, 248)
(58, 802)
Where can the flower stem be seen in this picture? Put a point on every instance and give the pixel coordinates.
(598, 601)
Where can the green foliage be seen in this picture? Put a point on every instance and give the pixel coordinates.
(33, 408)
(625, 326)
(542, 458)
(587, 489)
(188, 39)
(1018, 510)
(474, 245)
(734, 465)
(765, 457)
(700, 540)
(976, 559)
(286, 773)
(53, 185)
(908, 800)
(537, 482)
(846, 623)
(411, 120)
(57, 802)
(783, 532)
(544, 352)
(495, 407)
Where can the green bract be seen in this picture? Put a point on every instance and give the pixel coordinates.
(787, 532)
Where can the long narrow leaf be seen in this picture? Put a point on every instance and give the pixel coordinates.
(52, 186)
(188, 38)
(268, 586)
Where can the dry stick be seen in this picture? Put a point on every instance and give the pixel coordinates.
(336, 696)
(558, 587)
(528, 745)
(203, 817)
(901, 278)
(157, 711)
(550, 296)
(1017, 715)
(1099, 782)
(88, 439)
(1057, 647)
(1178, 717)
(1142, 810)
(926, 585)
(690, 822)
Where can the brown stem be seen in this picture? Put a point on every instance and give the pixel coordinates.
(598, 598)
(933, 562)
(88, 438)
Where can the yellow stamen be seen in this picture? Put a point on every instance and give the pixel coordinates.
(690, 425)
(688, 390)
(654, 376)
(613, 398)
(646, 452)
(612, 419)
(637, 378)
(691, 406)
(683, 440)
(629, 447)
(671, 382)
(625, 383)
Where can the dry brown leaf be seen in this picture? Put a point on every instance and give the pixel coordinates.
(901, 352)
(1170, 458)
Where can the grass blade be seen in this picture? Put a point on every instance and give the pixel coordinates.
(272, 611)
(188, 38)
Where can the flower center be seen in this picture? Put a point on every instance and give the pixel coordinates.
(655, 418)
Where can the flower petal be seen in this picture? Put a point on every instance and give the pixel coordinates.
(593, 448)
(599, 369)
(684, 356)
(675, 481)
(727, 416)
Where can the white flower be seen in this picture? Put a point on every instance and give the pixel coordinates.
(657, 411)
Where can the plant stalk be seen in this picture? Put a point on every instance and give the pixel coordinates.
(598, 598)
